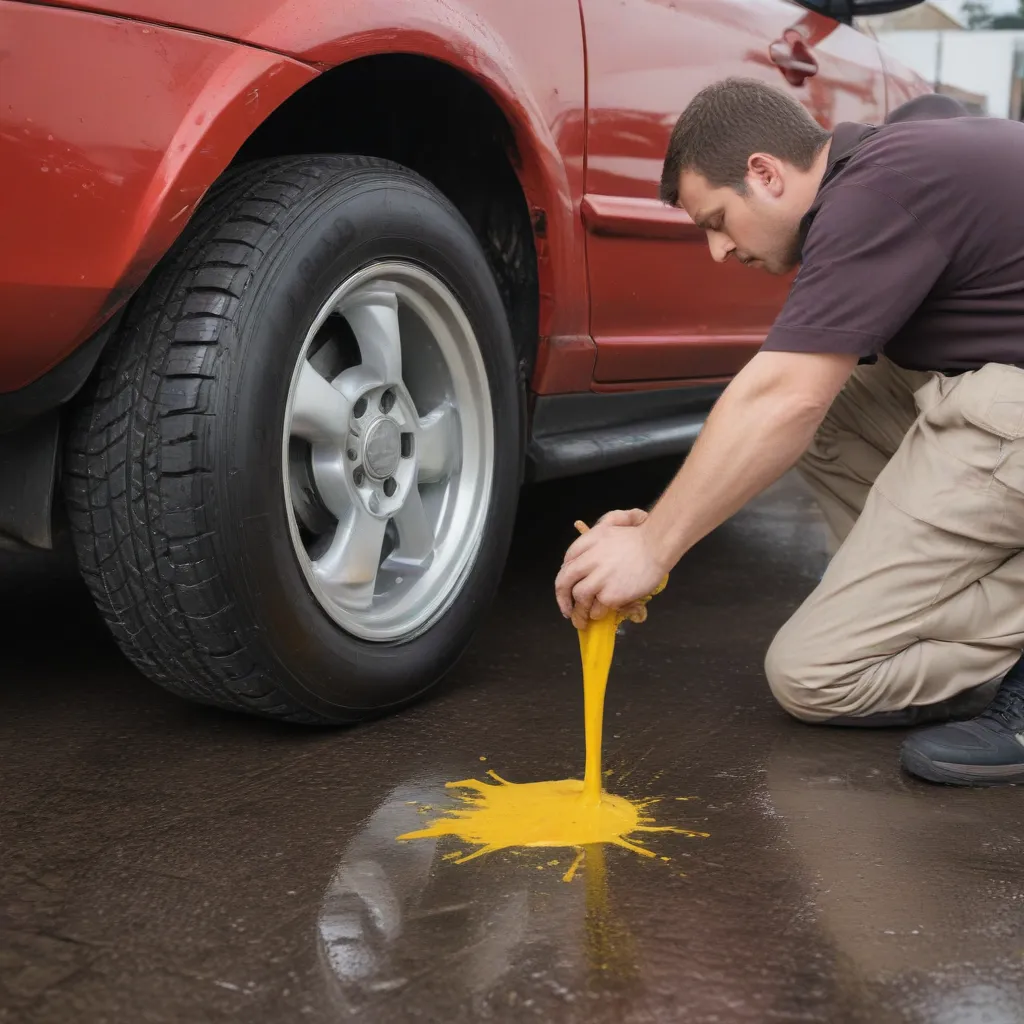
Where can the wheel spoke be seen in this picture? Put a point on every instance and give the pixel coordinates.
(354, 382)
(415, 547)
(332, 483)
(319, 411)
(436, 445)
(348, 569)
(373, 317)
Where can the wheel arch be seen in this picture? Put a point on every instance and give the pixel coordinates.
(410, 110)
(527, 59)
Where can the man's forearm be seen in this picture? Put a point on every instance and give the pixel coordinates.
(758, 430)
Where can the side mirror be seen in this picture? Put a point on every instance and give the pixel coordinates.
(865, 8)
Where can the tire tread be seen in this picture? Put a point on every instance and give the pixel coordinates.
(135, 482)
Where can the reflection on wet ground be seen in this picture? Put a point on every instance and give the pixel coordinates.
(163, 863)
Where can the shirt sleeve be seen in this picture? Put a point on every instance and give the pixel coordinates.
(867, 265)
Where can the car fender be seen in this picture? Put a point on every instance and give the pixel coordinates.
(528, 55)
(111, 132)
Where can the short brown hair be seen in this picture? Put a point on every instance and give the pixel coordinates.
(728, 121)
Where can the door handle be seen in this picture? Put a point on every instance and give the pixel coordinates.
(793, 57)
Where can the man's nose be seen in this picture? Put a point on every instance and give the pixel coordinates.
(721, 246)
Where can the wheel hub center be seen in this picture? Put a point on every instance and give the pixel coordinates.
(382, 448)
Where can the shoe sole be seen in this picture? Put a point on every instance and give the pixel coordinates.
(948, 774)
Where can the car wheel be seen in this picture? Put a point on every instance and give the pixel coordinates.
(293, 481)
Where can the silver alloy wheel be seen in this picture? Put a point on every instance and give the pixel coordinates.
(388, 452)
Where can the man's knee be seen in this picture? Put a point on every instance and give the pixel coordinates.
(803, 687)
(782, 668)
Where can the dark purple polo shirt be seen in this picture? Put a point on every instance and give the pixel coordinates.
(914, 246)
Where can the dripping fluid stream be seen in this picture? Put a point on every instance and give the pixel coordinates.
(597, 645)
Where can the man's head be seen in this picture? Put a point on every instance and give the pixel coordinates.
(745, 162)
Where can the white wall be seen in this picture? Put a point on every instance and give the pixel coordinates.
(977, 61)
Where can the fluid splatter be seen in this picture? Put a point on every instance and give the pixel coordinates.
(503, 815)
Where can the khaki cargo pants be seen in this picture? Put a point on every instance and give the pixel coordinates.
(920, 477)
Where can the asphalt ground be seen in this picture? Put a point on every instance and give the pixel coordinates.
(161, 862)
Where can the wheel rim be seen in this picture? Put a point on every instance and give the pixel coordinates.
(388, 452)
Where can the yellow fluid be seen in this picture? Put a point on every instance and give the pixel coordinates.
(597, 645)
(501, 815)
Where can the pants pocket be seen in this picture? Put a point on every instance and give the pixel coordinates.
(961, 466)
(992, 398)
(993, 401)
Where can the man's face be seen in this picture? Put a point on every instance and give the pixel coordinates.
(761, 227)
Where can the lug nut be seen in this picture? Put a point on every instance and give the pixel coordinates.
(352, 456)
(358, 476)
(387, 401)
(406, 446)
(359, 409)
(390, 487)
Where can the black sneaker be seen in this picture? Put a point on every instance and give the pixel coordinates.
(985, 751)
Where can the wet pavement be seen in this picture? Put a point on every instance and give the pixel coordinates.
(166, 863)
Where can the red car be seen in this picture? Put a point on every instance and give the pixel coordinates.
(294, 294)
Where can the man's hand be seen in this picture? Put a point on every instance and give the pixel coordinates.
(761, 425)
(611, 567)
(623, 517)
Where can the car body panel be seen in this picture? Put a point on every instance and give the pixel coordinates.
(902, 84)
(660, 307)
(99, 179)
(103, 177)
(536, 77)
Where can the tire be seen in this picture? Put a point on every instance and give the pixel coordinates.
(180, 468)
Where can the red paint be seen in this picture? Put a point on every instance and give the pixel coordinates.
(660, 307)
(113, 127)
(627, 217)
(564, 363)
(648, 357)
(110, 133)
(903, 84)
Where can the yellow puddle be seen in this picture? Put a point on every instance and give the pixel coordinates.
(502, 815)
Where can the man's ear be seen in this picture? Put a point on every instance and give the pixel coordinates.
(766, 171)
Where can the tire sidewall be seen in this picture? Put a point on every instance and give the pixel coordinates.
(351, 221)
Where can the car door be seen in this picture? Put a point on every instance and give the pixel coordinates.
(661, 308)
